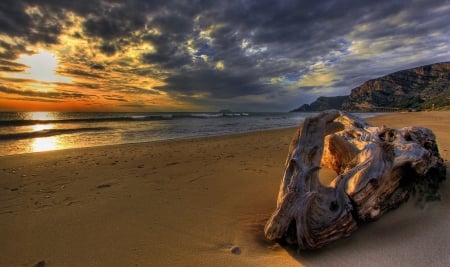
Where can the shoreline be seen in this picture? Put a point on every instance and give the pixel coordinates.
(193, 202)
(187, 138)
(71, 130)
(375, 114)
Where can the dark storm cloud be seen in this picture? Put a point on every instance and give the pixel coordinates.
(280, 29)
(115, 22)
(108, 48)
(13, 19)
(216, 83)
(227, 50)
(175, 23)
(168, 59)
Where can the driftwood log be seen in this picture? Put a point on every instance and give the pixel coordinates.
(377, 169)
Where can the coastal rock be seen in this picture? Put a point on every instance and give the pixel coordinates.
(417, 88)
(377, 169)
(423, 87)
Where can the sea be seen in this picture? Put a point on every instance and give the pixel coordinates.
(29, 132)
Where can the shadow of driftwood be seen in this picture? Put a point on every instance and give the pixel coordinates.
(375, 239)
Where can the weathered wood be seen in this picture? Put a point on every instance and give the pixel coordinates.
(377, 169)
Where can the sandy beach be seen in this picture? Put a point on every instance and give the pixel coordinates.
(197, 202)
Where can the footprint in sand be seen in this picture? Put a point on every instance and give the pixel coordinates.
(103, 186)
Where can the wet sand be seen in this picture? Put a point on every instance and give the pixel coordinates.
(199, 202)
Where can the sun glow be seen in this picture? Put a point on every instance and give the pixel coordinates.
(42, 69)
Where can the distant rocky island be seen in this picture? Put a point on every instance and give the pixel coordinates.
(425, 87)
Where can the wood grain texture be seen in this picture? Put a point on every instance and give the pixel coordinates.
(377, 168)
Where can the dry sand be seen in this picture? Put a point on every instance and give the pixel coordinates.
(200, 202)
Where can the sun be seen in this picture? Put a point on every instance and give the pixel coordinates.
(42, 69)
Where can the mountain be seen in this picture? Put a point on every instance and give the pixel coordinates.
(416, 88)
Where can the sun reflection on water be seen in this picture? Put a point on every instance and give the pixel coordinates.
(48, 143)
(41, 127)
(45, 144)
(42, 116)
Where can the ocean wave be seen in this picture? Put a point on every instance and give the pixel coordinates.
(34, 122)
(129, 118)
(85, 120)
(206, 115)
(49, 133)
(217, 115)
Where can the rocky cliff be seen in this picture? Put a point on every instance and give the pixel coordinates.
(417, 88)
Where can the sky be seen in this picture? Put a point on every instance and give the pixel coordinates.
(205, 55)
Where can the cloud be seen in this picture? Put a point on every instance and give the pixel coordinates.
(256, 55)
(118, 98)
(51, 94)
(214, 83)
(10, 66)
(318, 79)
(83, 73)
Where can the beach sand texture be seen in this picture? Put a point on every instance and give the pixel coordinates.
(199, 202)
